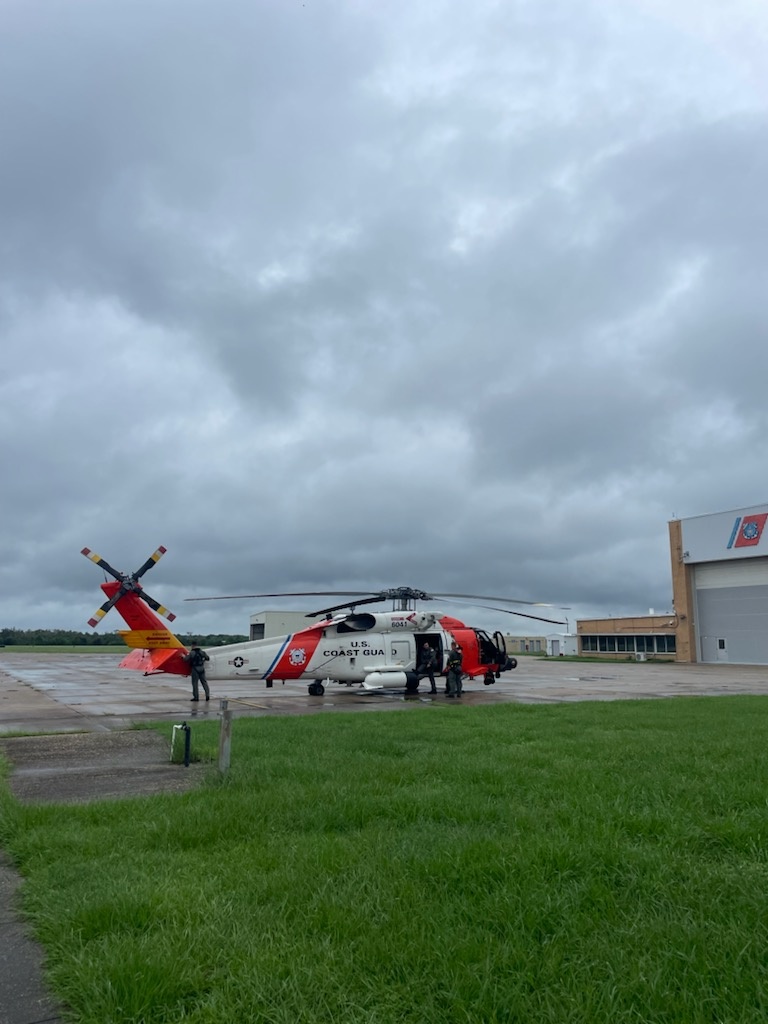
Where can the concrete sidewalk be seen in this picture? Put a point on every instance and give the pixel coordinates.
(24, 999)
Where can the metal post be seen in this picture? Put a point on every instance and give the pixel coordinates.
(225, 736)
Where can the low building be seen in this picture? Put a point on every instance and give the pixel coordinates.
(281, 623)
(525, 644)
(562, 644)
(640, 638)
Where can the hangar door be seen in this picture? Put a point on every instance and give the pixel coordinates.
(732, 611)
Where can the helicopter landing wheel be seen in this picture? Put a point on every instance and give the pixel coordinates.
(316, 689)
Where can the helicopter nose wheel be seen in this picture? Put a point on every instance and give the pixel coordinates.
(316, 689)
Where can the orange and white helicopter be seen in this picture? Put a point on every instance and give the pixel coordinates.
(375, 650)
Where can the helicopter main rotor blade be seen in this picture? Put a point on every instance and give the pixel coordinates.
(286, 593)
(150, 562)
(104, 565)
(523, 615)
(372, 597)
(506, 600)
(346, 604)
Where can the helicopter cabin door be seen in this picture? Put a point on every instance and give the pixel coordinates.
(435, 642)
(401, 653)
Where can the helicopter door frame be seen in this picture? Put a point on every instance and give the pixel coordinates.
(486, 648)
(435, 641)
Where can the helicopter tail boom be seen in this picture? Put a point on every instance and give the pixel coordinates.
(155, 648)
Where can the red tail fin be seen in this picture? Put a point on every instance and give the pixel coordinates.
(156, 649)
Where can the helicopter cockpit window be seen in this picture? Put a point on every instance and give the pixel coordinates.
(356, 623)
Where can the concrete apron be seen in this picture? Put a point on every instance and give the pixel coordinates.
(89, 693)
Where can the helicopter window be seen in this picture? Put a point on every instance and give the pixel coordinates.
(356, 623)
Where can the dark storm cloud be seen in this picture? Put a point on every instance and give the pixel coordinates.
(326, 295)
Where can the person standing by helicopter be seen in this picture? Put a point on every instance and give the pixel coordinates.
(196, 660)
(426, 665)
(455, 662)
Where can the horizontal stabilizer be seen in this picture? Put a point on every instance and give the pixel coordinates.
(150, 639)
(158, 660)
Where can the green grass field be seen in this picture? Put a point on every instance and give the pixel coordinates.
(64, 649)
(593, 862)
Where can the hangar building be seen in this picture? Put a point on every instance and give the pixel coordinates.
(720, 597)
(720, 586)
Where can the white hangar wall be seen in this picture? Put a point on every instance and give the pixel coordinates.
(725, 584)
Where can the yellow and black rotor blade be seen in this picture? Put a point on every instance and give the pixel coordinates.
(150, 562)
(104, 565)
(160, 609)
(99, 615)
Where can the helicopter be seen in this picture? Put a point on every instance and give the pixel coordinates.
(376, 650)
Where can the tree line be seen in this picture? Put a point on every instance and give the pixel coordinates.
(73, 638)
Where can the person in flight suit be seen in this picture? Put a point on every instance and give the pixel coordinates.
(196, 660)
(455, 673)
(426, 665)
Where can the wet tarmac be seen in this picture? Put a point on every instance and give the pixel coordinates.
(89, 693)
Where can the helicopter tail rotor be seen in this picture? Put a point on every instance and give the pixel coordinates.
(129, 584)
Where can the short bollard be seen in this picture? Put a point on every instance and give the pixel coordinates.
(225, 736)
(187, 741)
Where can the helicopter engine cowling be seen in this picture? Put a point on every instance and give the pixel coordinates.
(380, 680)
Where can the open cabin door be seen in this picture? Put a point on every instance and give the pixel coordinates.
(435, 641)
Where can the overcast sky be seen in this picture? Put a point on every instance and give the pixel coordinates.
(360, 293)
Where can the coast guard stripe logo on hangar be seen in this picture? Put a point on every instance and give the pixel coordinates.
(747, 532)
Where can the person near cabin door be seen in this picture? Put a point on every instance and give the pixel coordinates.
(426, 665)
(196, 660)
(453, 680)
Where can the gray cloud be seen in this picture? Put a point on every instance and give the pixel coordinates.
(322, 296)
